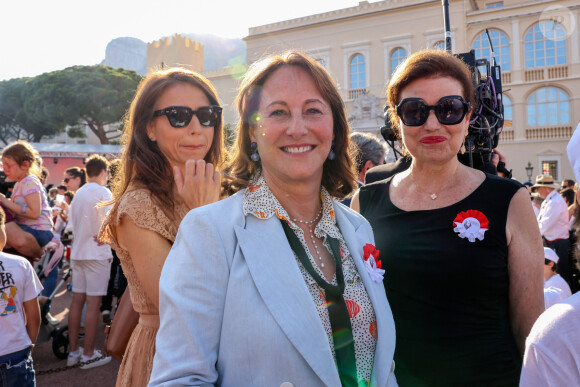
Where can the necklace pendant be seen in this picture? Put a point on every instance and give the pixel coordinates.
(433, 196)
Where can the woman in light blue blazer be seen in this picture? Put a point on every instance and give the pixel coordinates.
(278, 285)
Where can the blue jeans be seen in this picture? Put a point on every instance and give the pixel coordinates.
(41, 236)
(50, 282)
(17, 369)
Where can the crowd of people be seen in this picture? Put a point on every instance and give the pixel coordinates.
(256, 265)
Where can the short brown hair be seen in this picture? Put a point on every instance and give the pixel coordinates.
(21, 151)
(95, 164)
(338, 176)
(142, 162)
(427, 64)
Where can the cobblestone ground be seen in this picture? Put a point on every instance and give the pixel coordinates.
(45, 359)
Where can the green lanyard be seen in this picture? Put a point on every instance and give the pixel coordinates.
(337, 310)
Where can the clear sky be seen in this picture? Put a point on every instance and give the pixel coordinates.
(39, 36)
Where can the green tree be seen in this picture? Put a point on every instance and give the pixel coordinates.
(44, 109)
(10, 105)
(97, 96)
(78, 96)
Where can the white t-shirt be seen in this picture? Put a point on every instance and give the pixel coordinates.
(18, 284)
(556, 289)
(536, 210)
(552, 356)
(85, 220)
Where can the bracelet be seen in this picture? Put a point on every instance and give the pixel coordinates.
(23, 208)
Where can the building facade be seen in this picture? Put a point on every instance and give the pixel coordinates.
(536, 43)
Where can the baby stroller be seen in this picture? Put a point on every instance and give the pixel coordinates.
(50, 259)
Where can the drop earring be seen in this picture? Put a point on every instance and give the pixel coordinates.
(331, 155)
(255, 156)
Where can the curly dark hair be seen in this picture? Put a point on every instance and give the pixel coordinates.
(339, 175)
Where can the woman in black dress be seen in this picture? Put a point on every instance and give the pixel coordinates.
(461, 248)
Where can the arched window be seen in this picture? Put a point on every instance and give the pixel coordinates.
(440, 45)
(397, 56)
(501, 48)
(545, 45)
(507, 108)
(548, 106)
(357, 72)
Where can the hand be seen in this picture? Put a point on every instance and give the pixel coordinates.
(96, 239)
(499, 161)
(63, 205)
(497, 157)
(200, 185)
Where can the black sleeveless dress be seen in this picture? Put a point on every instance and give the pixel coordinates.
(447, 284)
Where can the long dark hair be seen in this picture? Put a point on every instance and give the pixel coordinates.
(143, 163)
(339, 175)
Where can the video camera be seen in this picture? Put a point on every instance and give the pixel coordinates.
(487, 119)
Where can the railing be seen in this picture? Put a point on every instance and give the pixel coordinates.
(552, 72)
(355, 93)
(506, 135)
(506, 78)
(558, 72)
(534, 75)
(555, 132)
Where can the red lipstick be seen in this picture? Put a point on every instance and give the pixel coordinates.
(432, 139)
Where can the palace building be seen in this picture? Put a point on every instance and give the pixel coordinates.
(536, 43)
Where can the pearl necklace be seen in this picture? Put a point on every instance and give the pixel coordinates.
(310, 224)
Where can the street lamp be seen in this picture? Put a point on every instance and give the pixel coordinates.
(529, 171)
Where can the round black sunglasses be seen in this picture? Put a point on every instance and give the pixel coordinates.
(449, 110)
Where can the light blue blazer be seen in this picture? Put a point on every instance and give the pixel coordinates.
(235, 310)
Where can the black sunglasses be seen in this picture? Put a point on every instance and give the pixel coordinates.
(449, 110)
(180, 116)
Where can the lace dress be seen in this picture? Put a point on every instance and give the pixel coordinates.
(137, 204)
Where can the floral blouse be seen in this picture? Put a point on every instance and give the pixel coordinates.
(261, 202)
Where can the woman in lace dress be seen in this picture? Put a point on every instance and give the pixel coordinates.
(173, 148)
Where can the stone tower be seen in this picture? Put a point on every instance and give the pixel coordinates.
(175, 51)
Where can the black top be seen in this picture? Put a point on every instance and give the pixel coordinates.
(384, 171)
(449, 296)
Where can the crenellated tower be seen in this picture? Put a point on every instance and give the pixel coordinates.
(175, 51)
